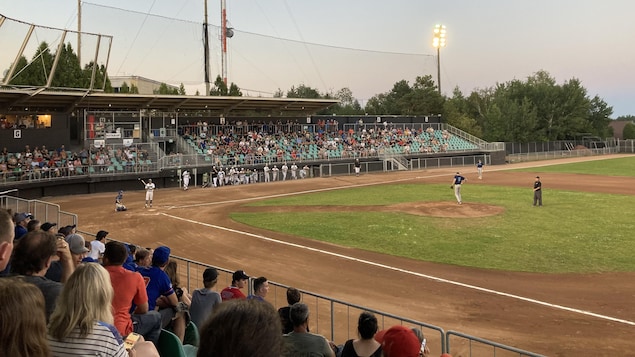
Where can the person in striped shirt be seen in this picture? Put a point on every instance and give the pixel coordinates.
(82, 323)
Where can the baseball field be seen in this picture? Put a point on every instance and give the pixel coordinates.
(556, 280)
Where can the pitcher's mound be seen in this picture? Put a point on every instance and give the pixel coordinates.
(447, 209)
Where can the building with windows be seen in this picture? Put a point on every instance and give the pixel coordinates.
(145, 85)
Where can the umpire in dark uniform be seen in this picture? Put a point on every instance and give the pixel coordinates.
(538, 191)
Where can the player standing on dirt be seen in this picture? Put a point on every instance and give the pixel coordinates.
(479, 168)
(186, 180)
(358, 167)
(456, 185)
(149, 187)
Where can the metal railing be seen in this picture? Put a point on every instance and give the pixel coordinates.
(333, 318)
(41, 210)
(480, 347)
(550, 155)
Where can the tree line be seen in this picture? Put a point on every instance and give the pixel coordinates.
(534, 109)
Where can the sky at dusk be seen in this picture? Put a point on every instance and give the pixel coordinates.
(365, 45)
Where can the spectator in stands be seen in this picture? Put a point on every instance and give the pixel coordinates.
(22, 333)
(77, 245)
(399, 341)
(366, 344)
(239, 281)
(33, 225)
(129, 288)
(161, 295)
(21, 221)
(261, 288)
(181, 292)
(303, 343)
(293, 296)
(32, 258)
(7, 233)
(424, 350)
(129, 264)
(97, 246)
(48, 227)
(143, 258)
(78, 248)
(82, 321)
(242, 328)
(205, 300)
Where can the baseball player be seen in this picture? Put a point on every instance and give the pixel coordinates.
(479, 169)
(214, 176)
(538, 192)
(284, 170)
(186, 179)
(358, 167)
(294, 171)
(149, 186)
(221, 177)
(274, 172)
(266, 170)
(456, 185)
(119, 206)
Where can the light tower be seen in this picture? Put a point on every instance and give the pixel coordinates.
(437, 42)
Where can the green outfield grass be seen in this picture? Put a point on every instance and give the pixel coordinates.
(573, 232)
(611, 167)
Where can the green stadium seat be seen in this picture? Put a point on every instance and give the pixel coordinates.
(192, 336)
(169, 345)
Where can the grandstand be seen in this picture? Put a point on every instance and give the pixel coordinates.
(123, 145)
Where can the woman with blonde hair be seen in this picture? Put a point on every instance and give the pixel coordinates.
(22, 332)
(82, 323)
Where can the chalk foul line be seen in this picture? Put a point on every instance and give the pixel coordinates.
(430, 277)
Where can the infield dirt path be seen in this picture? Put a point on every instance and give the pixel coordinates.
(547, 330)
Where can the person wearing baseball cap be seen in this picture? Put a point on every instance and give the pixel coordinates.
(77, 246)
(205, 299)
(47, 227)
(399, 341)
(21, 220)
(161, 293)
(239, 281)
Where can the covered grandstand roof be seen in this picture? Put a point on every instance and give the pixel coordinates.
(40, 100)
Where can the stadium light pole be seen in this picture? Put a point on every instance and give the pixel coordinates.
(438, 41)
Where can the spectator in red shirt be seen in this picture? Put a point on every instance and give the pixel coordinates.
(239, 281)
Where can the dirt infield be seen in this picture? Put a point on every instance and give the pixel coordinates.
(524, 323)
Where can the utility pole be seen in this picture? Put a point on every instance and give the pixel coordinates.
(206, 51)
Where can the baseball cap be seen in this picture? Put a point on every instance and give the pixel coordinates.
(101, 234)
(161, 255)
(22, 216)
(210, 274)
(76, 244)
(239, 275)
(47, 225)
(400, 341)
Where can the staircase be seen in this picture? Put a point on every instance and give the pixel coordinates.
(397, 161)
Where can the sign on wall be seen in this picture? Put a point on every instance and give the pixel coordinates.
(17, 133)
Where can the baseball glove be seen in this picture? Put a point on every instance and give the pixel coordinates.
(451, 186)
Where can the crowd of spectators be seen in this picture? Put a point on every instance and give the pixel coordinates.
(103, 294)
(268, 143)
(42, 163)
(236, 144)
